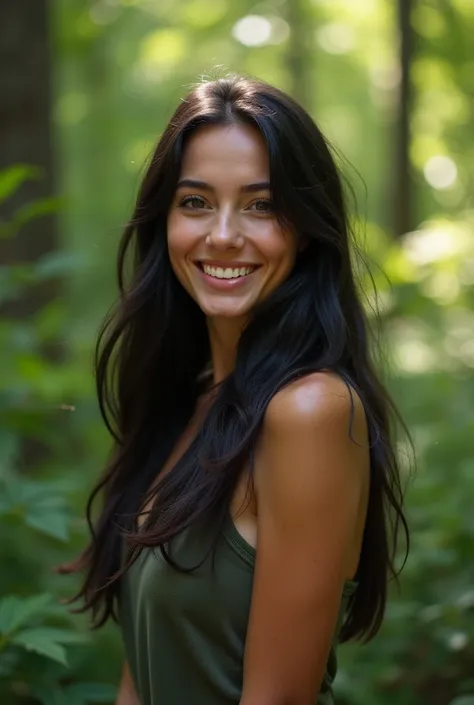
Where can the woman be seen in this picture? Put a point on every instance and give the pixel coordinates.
(246, 503)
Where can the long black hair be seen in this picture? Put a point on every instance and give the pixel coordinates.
(154, 346)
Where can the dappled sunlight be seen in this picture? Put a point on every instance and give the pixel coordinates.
(428, 21)
(202, 13)
(252, 30)
(104, 12)
(440, 172)
(413, 350)
(438, 241)
(441, 286)
(465, 7)
(161, 50)
(459, 338)
(336, 38)
(72, 107)
(259, 30)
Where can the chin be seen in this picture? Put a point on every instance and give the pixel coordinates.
(225, 312)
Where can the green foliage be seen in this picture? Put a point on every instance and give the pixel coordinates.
(121, 67)
(42, 645)
(36, 504)
(10, 180)
(37, 625)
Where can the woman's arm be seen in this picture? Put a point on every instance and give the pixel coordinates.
(127, 695)
(311, 482)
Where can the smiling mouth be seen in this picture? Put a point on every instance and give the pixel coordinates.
(226, 272)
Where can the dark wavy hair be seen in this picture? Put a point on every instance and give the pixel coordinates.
(153, 347)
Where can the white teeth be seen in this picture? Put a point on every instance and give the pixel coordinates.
(227, 273)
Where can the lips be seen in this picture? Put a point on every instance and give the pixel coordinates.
(225, 275)
(226, 270)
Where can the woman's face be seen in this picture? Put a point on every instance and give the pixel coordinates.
(225, 244)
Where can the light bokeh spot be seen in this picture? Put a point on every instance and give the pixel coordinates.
(336, 38)
(252, 30)
(72, 107)
(440, 172)
(436, 242)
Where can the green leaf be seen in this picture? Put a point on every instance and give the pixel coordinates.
(59, 263)
(15, 611)
(50, 695)
(76, 694)
(36, 505)
(12, 178)
(39, 641)
(55, 524)
(34, 209)
(92, 692)
(463, 700)
(63, 636)
(37, 208)
(35, 492)
(9, 661)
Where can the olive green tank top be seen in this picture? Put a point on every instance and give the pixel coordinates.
(184, 633)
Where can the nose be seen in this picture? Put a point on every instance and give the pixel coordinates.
(224, 234)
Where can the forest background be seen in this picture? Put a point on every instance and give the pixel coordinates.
(86, 87)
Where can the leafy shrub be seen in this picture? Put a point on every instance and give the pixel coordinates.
(44, 649)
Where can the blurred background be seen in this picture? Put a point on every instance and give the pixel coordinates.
(86, 88)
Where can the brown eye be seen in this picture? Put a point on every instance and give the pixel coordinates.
(263, 205)
(192, 202)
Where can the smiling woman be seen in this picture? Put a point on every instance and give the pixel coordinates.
(225, 243)
(253, 478)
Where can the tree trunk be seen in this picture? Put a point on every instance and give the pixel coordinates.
(298, 51)
(26, 138)
(26, 134)
(403, 183)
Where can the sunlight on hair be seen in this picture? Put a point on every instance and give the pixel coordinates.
(440, 172)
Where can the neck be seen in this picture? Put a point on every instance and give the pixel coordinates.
(224, 334)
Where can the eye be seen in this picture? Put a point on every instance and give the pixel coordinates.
(262, 205)
(192, 202)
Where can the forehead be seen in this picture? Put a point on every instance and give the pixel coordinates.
(233, 152)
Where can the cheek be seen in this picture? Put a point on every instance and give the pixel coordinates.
(281, 249)
(181, 237)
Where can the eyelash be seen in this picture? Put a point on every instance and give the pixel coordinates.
(190, 199)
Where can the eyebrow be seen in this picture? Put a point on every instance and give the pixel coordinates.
(248, 188)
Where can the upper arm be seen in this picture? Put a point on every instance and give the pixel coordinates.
(311, 478)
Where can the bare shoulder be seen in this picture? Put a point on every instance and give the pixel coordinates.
(312, 480)
(317, 400)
